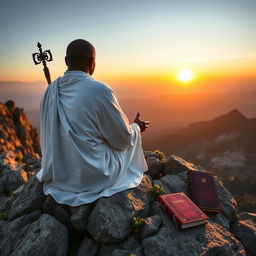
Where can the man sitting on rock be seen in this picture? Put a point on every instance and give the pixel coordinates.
(89, 150)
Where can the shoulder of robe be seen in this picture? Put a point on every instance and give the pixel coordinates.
(100, 88)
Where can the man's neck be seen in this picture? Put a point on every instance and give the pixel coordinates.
(77, 69)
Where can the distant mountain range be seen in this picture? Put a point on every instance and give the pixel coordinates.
(227, 141)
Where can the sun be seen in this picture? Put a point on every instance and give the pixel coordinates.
(185, 75)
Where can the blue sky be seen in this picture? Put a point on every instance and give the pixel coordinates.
(130, 36)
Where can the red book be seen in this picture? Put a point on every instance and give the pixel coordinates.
(184, 212)
(203, 191)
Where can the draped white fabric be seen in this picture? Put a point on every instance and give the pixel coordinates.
(89, 150)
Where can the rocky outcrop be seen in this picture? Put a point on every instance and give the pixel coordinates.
(36, 225)
(245, 231)
(19, 149)
(16, 132)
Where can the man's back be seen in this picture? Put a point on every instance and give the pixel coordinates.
(87, 142)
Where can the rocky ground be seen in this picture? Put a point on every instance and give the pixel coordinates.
(34, 224)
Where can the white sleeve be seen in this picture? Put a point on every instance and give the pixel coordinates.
(113, 124)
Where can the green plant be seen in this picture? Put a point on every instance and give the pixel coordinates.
(160, 155)
(157, 190)
(4, 215)
(137, 223)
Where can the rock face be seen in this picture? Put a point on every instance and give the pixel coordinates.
(19, 149)
(36, 225)
(16, 132)
(245, 231)
(32, 223)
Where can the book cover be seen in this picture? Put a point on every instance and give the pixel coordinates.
(184, 212)
(203, 191)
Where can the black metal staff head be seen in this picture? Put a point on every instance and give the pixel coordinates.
(42, 57)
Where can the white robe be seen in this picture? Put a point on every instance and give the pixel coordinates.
(89, 150)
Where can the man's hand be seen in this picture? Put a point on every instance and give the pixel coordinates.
(142, 124)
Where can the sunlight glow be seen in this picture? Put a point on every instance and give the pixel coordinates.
(185, 75)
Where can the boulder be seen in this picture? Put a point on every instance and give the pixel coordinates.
(88, 247)
(227, 201)
(154, 167)
(80, 215)
(175, 184)
(127, 247)
(109, 221)
(58, 211)
(44, 236)
(245, 231)
(151, 226)
(29, 199)
(175, 164)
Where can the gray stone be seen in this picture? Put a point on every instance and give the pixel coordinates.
(245, 231)
(175, 184)
(127, 247)
(12, 179)
(220, 219)
(80, 215)
(110, 220)
(46, 236)
(228, 202)
(151, 226)
(22, 221)
(154, 167)
(31, 198)
(88, 247)
(210, 239)
(175, 164)
(56, 210)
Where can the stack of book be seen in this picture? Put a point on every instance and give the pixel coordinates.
(187, 213)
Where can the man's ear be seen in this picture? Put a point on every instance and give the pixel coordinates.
(66, 60)
(91, 65)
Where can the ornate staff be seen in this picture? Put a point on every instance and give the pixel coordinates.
(43, 56)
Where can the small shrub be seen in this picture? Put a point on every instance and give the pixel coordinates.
(157, 190)
(160, 154)
(137, 223)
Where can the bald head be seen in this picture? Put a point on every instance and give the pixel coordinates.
(80, 55)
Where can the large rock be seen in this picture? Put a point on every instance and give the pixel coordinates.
(175, 164)
(45, 236)
(58, 211)
(88, 247)
(109, 221)
(125, 248)
(80, 215)
(210, 239)
(175, 184)
(245, 231)
(227, 201)
(31, 198)
(151, 226)
(154, 167)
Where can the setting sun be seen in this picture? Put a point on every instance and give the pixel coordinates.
(185, 75)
